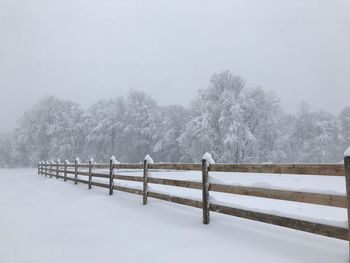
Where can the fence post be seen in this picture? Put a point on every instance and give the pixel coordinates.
(205, 192)
(65, 170)
(51, 162)
(145, 180)
(76, 170)
(46, 164)
(58, 163)
(90, 171)
(42, 167)
(347, 181)
(111, 176)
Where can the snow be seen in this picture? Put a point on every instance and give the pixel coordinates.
(347, 152)
(207, 156)
(48, 220)
(66, 162)
(92, 160)
(78, 160)
(114, 160)
(148, 159)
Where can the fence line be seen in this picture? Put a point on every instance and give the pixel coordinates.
(57, 169)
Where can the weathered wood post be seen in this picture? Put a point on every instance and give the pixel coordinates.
(205, 192)
(76, 163)
(207, 159)
(347, 181)
(111, 175)
(42, 167)
(51, 169)
(65, 170)
(46, 168)
(145, 179)
(90, 171)
(58, 163)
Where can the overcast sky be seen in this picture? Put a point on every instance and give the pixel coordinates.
(87, 50)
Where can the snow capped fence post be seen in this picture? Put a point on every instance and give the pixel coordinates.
(46, 167)
(76, 163)
(146, 161)
(206, 161)
(42, 167)
(51, 169)
(90, 171)
(347, 181)
(112, 161)
(58, 163)
(65, 170)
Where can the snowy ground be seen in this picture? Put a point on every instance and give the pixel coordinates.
(48, 220)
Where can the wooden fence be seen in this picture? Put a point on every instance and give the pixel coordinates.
(60, 170)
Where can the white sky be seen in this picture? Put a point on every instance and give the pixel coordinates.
(86, 50)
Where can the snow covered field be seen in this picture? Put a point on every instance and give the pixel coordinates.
(48, 220)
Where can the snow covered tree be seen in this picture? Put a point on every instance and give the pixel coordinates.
(227, 119)
(52, 128)
(6, 150)
(344, 119)
(170, 127)
(316, 137)
(105, 123)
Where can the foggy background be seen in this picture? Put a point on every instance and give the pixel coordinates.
(90, 50)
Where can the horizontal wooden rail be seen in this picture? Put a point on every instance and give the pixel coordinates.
(315, 228)
(179, 183)
(305, 169)
(98, 184)
(100, 175)
(176, 166)
(295, 196)
(128, 178)
(128, 190)
(175, 199)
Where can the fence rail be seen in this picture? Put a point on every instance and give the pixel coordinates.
(107, 171)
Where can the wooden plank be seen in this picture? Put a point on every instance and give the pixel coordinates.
(175, 199)
(178, 183)
(302, 197)
(100, 175)
(306, 169)
(128, 178)
(129, 166)
(100, 185)
(83, 173)
(176, 166)
(101, 165)
(73, 179)
(128, 190)
(315, 228)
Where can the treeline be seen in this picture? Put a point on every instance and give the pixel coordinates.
(235, 123)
